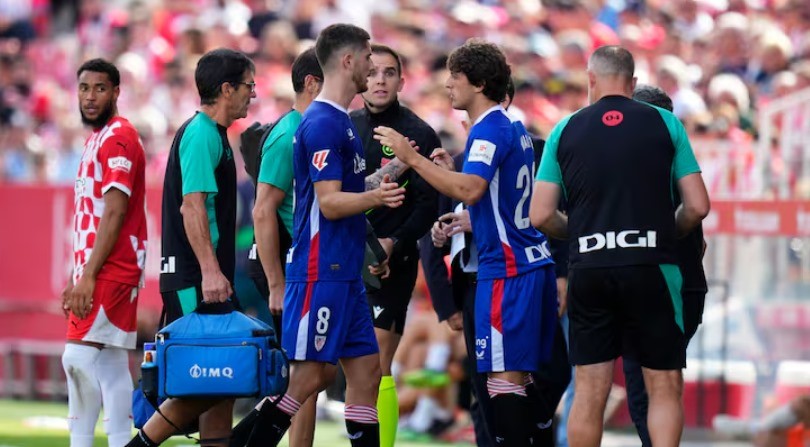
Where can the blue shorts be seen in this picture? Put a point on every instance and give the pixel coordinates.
(515, 320)
(325, 321)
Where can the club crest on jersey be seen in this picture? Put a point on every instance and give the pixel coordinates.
(320, 341)
(350, 134)
(319, 159)
(482, 151)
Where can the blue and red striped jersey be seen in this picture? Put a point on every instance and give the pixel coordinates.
(326, 147)
(499, 149)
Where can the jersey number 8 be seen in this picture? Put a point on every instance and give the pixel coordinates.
(323, 320)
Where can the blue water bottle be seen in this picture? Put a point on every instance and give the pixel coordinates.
(149, 372)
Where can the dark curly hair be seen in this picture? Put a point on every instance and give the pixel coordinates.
(101, 66)
(484, 64)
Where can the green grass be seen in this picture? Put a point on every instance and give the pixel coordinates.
(41, 424)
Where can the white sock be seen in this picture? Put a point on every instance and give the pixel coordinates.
(781, 418)
(396, 369)
(115, 379)
(84, 392)
(423, 415)
(437, 356)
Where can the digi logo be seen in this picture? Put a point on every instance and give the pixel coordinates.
(319, 159)
(612, 118)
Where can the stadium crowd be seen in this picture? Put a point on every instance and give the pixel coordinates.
(720, 60)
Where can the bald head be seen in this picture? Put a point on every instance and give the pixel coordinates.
(612, 61)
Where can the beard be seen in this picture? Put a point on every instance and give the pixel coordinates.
(360, 82)
(103, 117)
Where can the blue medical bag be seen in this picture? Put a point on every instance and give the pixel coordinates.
(219, 355)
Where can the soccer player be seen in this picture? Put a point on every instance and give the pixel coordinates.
(274, 200)
(326, 315)
(553, 376)
(199, 218)
(516, 305)
(109, 252)
(616, 161)
(690, 251)
(398, 229)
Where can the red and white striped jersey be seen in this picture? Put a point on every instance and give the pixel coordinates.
(113, 158)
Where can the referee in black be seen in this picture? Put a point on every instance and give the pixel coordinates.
(615, 161)
(397, 228)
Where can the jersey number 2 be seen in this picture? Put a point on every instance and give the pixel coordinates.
(524, 182)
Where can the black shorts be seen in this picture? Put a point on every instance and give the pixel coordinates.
(389, 305)
(633, 311)
(178, 303)
(693, 304)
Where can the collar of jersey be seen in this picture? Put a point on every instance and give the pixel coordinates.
(488, 111)
(333, 104)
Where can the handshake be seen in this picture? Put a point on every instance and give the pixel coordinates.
(449, 225)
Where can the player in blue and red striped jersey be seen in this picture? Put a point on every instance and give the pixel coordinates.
(516, 306)
(326, 317)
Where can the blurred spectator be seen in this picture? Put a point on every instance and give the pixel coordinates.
(683, 45)
(674, 78)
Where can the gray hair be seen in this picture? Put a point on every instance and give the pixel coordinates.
(612, 60)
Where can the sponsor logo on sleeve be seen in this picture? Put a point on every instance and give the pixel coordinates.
(119, 164)
(319, 159)
(482, 151)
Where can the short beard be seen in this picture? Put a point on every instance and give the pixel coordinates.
(361, 84)
(102, 118)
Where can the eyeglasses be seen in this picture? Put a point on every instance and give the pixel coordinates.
(251, 85)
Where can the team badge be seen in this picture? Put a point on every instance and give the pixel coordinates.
(320, 341)
(387, 151)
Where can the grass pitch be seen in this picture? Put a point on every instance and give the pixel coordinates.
(43, 424)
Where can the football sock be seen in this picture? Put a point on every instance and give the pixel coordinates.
(542, 432)
(388, 411)
(273, 421)
(241, 432)
(363, 426)
(141, 440)
(513, 413)
(84, 392)
(112, 369)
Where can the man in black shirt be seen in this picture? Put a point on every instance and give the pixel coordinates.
(616, 161)
(690, 260)
(397, 228)
(199, 228)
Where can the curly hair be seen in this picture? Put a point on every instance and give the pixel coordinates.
(484, 64)
(101, 66)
